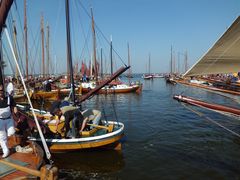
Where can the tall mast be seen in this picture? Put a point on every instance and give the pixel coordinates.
(186, 61)
(1, 63)
(94, 48)
(69, 52)
(149, 62)
(101, 65)
(26, 39)
(111, 56)
(15, 47)
(129, 70)
(4, 9)
(171, 62)
(43, 61)
(48, 54)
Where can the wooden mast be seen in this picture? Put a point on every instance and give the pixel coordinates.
(26, 37)
(15, 47)
(129, 70)
(101, 65)
(171, 62)
(149, 62)
(94, 48)
(186, 63)
(48, 53)
(43, 55)
(111, 56)
(129, 62)
(69, 52)
(4, 9)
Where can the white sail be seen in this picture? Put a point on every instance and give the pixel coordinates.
(223, 57)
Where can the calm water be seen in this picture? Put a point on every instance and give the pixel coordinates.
(163, 139)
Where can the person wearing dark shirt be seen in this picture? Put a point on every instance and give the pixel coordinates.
(6, 122)
(73, 114)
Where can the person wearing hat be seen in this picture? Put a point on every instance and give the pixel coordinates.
(6, 122)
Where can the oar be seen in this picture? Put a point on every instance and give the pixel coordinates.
(21, 168)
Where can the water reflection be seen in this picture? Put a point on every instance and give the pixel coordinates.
(88, 163)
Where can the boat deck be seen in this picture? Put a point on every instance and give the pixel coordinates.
(32, 160)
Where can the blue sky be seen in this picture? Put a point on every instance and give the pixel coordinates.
(150, 26)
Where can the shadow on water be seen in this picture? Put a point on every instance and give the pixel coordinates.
(88, 164)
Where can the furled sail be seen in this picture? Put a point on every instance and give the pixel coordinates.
(223, 57)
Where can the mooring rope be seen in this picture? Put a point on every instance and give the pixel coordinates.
(211, 120)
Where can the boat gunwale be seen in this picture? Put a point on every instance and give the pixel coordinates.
(86, 139)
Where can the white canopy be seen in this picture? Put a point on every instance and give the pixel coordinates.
(223, 57)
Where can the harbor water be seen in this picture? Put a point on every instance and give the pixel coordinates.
(164, 139)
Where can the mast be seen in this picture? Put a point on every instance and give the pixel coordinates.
(129, 70)
(111, 56)
(171, 62)
(43, 61)
(69, 53)
(15, 47)
(101, 65)
(48, 54)
(1, 63)
(94, 48)
(26, 38)
(186, 61)
(149, 62)
(4, 9)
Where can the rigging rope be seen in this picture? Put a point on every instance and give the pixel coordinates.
(48, 154)
(102, 33)
(211, 120)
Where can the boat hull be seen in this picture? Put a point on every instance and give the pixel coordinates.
(94, 141)
(112, 90)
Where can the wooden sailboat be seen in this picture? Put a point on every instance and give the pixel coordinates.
(99, 133)
(149, 75)
(22, 163)
(115, 86)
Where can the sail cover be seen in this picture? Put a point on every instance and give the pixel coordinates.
(223, 57)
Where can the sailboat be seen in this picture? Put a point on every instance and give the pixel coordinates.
(100, 133)
(222, 58)
(115, 86)
(27, 160)
(149, 75)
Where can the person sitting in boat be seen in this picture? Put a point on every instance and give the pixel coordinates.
(7, 103)
(71, 114)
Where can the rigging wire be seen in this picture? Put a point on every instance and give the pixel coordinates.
(101, 33)
(211, 120)
(10, 63)
(20, 53)
(103, 109)
(85, 46)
